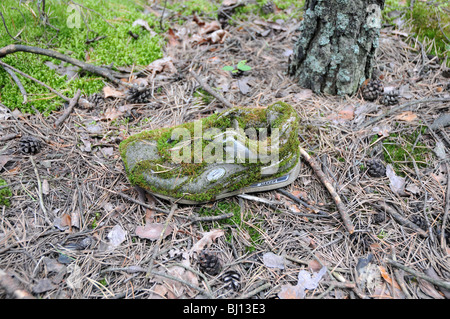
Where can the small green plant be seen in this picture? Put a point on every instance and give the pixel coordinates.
(224, 207)
(382, 234)
(5, 193)
(240, 67)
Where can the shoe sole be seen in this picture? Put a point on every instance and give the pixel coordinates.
(275, 183)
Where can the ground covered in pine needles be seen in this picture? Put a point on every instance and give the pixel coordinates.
(75, 228)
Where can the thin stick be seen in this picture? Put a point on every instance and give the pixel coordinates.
(106, 73)
(337, 200)
(131, 199)
(399, 218)
(211, 91)
(69, 109)
(255, 291)
(398, 108)
(446, 209)
(19, 84)
(41, 199)
(35, 80)
(299, 201)
(437, 282)
(161, 236)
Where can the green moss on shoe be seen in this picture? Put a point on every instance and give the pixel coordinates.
(177, 176)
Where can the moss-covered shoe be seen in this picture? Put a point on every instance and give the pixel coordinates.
(240, 150)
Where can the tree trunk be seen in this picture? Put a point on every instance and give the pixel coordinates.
(336, 48)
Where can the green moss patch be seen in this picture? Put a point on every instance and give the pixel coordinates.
(5, 194)
(112, 19)
(400, 150)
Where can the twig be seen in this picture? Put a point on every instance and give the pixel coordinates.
(299, 201)
(398, 108)
(131, 199)
(8, 283)
(35, 80)
(7, 31)
(399, 218)
(184, 282)
(337, 200)
(41, 199)
(69, 109)
(161, 236)
(437, 282)
(446, 209)
(106, 73)
(210, 90)
(8, 137)
(19, 84)
(255, 291)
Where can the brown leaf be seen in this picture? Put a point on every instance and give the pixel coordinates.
(304, 94)
(111, 92)
(407, 116)
(172, 38)
(210, 27)
(112, 114)
(153, 231)
(162, 65)
(218, 36)
(347, 113)
(290, 292)
(207, 239)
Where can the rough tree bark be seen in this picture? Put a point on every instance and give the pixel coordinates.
(336, 48)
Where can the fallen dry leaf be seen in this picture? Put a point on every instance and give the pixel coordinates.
(407, 116)
(207, 240)
(153, 231)
(303, 95)
(210, 27)
(162, 65)
(111, 92)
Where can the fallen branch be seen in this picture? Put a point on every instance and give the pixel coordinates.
(35, 80)
(106, 73)
(437, 282)
(399, 218)
(337, 200)
(69, 109)
(18, 83)
(12, 288)
(211, 91)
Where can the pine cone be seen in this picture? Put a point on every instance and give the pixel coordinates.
(139, 95)
(232, 280)
(372, 90)
(376, 168)
(390, 98)
(29, 145)
(96, 99)
(268, 7)
(209, 263)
